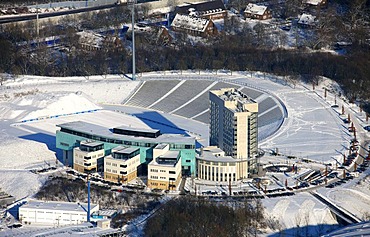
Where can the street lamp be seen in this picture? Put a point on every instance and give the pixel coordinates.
(133, 38)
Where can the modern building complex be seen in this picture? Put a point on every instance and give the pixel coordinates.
(123, 153)
(127, 151)
(233, 127)
(88, 157)
(213, 165)
(121, 166)
(164, 171)
(54, 213)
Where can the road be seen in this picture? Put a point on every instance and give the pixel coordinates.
(17, 18)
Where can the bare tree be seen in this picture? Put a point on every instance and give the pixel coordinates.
(327, 29)
(358, 19)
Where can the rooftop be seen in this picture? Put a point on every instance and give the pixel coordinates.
(161, 146)
(232, 94)
(90, 38)
(124, 150)
(202, 8)
(255, 9)
(170, 155)
(63, 206)
(313, 2)
(133, 129)
(306, 19)
(209, 156)
(190, 22)
(90, 143)
(213, 149)
(106, 133)
(170, 158)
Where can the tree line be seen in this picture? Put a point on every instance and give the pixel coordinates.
(190, 216)
(237, 48)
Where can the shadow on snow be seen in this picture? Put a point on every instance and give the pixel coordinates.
(307, 231)
(47, 139)
(156, 120)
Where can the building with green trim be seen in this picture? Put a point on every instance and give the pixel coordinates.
(71, 134)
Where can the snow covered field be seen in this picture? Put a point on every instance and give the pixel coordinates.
(312, 130)
(300, 210)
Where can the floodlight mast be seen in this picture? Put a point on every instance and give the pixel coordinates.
(132, 2)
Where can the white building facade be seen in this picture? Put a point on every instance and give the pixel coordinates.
(164, 171)
(88, 157)
(121, 166)
(54, 213)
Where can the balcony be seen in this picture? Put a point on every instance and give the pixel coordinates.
(87, 164)
(87, 157)
(123, 166)
(123, 172)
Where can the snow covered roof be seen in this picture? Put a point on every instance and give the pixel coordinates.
(124, 150)
(93, 129)
(91, 143)
(202, 8)
(170, 158)
(306, 19)
(313, 2)
(90, 38)
(211, 156)
(143, 130)
(190, 23)
(255, 9)
(52, 205)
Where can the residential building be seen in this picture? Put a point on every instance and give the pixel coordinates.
(164, 171)
(193, 25)
(88, 157)
(121, 166)
(233, 127)
(211, 10)
(255, 11)
(307, 21)
(90, 40)
(315, 2)
(54, 213)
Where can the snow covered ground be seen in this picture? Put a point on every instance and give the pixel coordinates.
(298, 211)
(312, 130)
(32, 144)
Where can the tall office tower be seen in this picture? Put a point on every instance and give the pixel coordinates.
(233, 126)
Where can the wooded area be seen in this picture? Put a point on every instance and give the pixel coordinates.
(189, 216)
(237, 48)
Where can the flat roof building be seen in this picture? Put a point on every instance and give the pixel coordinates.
(88, 157)
(121, 166)
(164, 171)
(214, 165)
(54, 213)
(70, 135)
(233, 127)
